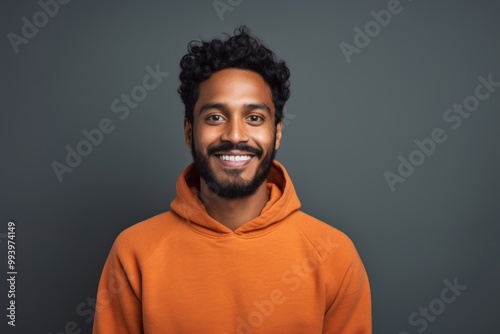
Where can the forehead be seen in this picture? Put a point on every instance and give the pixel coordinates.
(235, 86)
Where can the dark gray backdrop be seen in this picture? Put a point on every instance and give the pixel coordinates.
(347, 123)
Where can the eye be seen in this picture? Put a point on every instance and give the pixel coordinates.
(214, 118)
(255, 119)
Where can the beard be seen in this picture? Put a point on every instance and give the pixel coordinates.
(234, 186)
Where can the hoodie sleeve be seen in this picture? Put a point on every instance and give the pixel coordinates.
(348, 293)
(118, 306)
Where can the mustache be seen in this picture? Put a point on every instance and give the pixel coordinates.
(225, 147)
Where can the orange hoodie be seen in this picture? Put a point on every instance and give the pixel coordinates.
(183, 272)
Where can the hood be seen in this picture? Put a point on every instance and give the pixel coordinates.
(282, 202)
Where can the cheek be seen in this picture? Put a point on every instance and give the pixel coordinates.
(265, 138)
(204, 137)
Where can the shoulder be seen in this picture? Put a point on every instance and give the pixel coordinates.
(326, 239)
(142, 238)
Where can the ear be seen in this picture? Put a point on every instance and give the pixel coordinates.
(188, 133)
(279, 127)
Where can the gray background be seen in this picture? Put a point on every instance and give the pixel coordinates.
(346, 125)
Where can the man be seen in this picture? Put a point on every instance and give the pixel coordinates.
(235, 254)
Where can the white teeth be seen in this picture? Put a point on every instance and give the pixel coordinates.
(235, 157)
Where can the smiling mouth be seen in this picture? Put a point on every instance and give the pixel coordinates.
(227, 157)
(234, 160)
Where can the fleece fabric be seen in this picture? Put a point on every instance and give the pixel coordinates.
(183, 272)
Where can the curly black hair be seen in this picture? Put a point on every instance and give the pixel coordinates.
(239, 51)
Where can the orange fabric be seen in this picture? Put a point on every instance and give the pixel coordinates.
(283, 272)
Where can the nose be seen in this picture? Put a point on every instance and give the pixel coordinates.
(235, 131)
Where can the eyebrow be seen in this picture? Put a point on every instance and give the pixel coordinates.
(262, 106)
(223, 107)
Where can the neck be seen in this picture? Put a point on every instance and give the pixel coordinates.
(234, 212)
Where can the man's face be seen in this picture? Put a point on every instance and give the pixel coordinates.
(234, 137)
